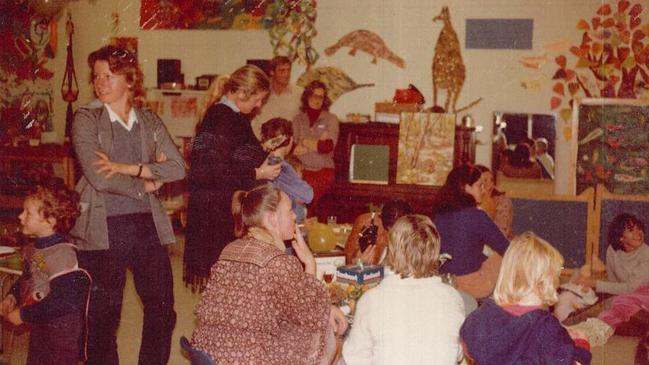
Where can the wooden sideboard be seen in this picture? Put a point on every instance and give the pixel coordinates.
(348, 200)
(23, 166)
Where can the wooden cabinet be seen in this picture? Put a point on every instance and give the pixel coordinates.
(348, 200)
(23, 167)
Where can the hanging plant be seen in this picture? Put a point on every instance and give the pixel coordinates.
(291, 27)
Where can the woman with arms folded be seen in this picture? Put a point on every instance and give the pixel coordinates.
(126, 154)
(316, 133)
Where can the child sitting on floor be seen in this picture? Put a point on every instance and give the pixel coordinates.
(627, 271)
(516, 327)
(52, 293)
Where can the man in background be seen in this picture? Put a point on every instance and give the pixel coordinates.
(543, 157)
(283, 99)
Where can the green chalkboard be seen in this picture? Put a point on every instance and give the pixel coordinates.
(563, 223)
(369, 164)
(613, 146)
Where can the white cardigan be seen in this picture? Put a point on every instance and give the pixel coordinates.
(406, 321)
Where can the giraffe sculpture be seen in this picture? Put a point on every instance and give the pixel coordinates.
(448, 68)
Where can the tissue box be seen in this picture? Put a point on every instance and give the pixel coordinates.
(356, 275)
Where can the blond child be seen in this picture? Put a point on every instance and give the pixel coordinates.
(516, 326)
(52, 293)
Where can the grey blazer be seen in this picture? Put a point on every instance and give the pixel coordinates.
(92, 132)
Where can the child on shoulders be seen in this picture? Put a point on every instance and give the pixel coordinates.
(52, 293)
(277, 138)
(516, 327)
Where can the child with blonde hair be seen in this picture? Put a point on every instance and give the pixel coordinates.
(516, 326)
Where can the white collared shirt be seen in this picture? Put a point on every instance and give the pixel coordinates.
(114, 117)
(230, 104)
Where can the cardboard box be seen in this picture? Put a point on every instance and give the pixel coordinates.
(388, 112)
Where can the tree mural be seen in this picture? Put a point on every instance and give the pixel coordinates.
(612, 58)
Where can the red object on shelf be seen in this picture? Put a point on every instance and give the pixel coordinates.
(409, 95)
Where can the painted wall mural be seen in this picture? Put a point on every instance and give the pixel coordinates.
(290, 23)
(613, 141)
(27, 44)
(202, 14)
(611, 61)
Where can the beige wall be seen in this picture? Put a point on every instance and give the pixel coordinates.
(405, 25)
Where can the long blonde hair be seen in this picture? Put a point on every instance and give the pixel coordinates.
(249, 79)
(530, 266)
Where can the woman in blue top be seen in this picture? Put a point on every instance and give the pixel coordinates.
(465, 230)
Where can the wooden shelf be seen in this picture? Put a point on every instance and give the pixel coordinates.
(16, 161)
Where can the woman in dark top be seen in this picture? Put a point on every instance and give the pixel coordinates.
(215, 175)
(465, 230)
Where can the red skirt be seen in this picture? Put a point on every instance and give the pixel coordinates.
(321, 182)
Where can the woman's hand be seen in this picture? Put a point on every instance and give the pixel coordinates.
(300, 150)
(266, 171)
(14, 317)
(152, 185)
(303, 252)
(576, 334)
(107, 167)
(161, 158)
(7, 305)
(368, 255)
(337, 320)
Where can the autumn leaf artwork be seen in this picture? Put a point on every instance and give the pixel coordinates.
(612, 60)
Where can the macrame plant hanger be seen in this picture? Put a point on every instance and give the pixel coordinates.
(69, 87)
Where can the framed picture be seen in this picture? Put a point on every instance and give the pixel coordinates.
(426, 142)
(609, 145)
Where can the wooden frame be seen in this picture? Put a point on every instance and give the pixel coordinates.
(568, 183)
(602, 195)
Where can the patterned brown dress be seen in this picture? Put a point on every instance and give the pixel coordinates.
(260, 307)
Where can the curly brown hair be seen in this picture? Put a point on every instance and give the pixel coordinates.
(58, 202)
(123, 62)
(309, 90)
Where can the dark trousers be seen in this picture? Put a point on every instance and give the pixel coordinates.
(134, 245)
